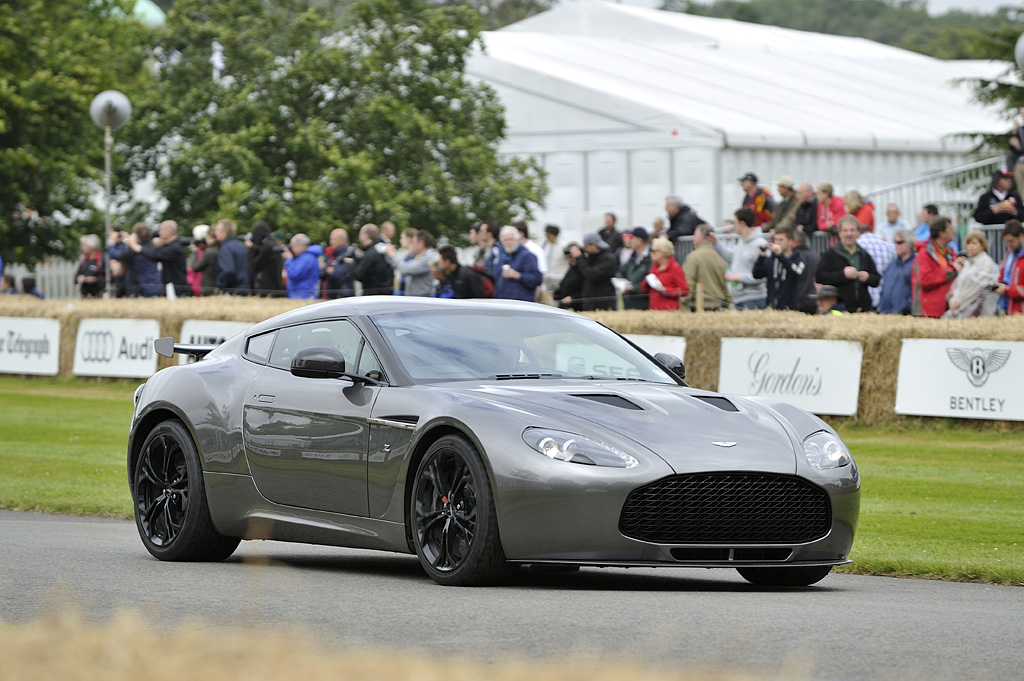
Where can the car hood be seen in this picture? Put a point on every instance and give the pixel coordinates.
(691, 430)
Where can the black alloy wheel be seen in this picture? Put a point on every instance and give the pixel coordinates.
(171, 511)
(454, 524)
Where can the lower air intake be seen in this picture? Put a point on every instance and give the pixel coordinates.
(734, 508)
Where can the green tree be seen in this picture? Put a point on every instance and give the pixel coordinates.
(312, 130)
(57, 55)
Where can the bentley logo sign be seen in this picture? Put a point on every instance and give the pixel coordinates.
(978, 364)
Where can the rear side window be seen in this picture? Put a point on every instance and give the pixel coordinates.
(338, 334)
(257, 348)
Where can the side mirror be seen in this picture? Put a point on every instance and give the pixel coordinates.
(318, 362)
(672, 363)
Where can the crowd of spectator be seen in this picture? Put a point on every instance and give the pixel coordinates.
(894, 268)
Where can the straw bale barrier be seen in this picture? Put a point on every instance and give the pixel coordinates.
(67, 647)
(879, 335)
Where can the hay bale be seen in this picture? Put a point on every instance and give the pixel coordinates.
(879, 335)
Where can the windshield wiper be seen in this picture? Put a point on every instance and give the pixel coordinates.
(592, 377)
(509, 377)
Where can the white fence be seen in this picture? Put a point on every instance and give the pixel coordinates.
(55, 278)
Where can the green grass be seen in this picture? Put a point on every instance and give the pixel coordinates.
(938, 501)
(62, 446)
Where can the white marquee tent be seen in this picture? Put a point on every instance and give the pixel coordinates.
(625, 105)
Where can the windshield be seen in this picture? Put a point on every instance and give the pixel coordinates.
(461, 345)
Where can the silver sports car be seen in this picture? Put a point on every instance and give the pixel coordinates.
(480, 436)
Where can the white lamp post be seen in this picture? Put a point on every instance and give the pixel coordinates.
(110, 110)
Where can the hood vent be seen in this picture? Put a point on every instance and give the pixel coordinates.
(611, 401)
(717, 401)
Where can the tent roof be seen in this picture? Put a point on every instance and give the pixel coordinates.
(686, 79)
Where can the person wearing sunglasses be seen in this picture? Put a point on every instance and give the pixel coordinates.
(897, 293)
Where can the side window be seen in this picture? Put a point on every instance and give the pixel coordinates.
(257, 348)
(368, 365)
(338, 334)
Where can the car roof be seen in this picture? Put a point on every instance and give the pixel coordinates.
(369, 305)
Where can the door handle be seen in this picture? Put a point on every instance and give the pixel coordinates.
(265, 399)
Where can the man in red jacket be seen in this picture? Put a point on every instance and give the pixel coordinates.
(757, 199)
(934, 270)
(1011, 271)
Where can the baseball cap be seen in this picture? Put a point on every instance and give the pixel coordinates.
(594, 239)
(1002, 173)
(641, 233)
(785, 181)
(749, 176)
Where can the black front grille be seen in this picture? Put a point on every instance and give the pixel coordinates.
(715, 508)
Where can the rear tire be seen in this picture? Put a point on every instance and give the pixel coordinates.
(785, 576)
(452, 516)
(169, 496)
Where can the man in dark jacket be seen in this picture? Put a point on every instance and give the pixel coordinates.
(611, 235)
(169, 250)
(849, 268)
(373, 268)
(232, 260)
(807, 290)
(783, 268)
(682, 220)
(464, 282)
(635, 269)
(806, 218)
(338, 278)
(266, 261)
(597, 265)
(1000, 202)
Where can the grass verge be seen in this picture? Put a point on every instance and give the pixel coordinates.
(938, 501)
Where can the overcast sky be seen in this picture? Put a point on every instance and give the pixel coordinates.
(983, 6)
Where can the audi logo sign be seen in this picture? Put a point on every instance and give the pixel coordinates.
(116, 347)
(29, 346)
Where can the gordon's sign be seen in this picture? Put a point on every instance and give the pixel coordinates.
(116, 347)
(820, 376)
(960, 378)
(29, 346)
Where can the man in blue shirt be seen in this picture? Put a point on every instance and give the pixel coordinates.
(926, 215)
(516, 274)
(302, 265)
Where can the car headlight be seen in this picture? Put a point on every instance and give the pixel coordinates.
(826, 451)
(573, 448)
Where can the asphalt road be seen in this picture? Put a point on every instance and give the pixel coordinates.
(848, 627)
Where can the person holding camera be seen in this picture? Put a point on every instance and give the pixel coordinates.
(782, 267)
(570, 289)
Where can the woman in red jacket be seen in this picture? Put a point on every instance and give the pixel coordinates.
(665, 284)
(830, 207)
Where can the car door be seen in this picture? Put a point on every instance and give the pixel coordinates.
(306, 439)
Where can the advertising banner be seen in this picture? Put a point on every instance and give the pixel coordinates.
(652, 345)
(29, 345)
(207, 332)
(116, 347)
(967, 379)
(820, 376)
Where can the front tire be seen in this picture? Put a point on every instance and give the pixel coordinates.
(171, 511)
(785, 576)
(454, 524)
